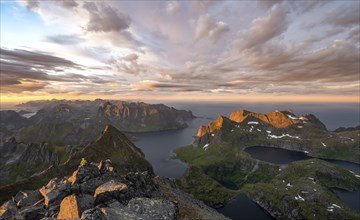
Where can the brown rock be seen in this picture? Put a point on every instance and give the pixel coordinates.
(8, 209)
(72, 206)
(108, 191)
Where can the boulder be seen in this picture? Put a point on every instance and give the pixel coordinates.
(105, 166)
(84, 173)
(108, 191)
(141, 209)
(8, 209)
(72, 206)
(30, 198)
(93, 214)
(91, 185)
(55, 191)
(31, 213)
(154, 208)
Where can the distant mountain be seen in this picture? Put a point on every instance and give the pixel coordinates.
(144, 117)
(64, 122)
(281, 129)
(341, 129)
(10, 122)
(217, 157)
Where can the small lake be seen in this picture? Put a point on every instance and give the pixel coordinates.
(352, 199)
(243, 208)
(284, 156)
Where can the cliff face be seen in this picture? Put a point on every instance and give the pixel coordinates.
(143, 117)
(278, 119)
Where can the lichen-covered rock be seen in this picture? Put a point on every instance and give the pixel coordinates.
(72, 206)
(154, 208)
(93, 214)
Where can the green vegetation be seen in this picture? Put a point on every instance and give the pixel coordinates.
(305, 186)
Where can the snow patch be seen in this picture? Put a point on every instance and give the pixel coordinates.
(269, 132)
(212, 135)
(323, 144)
(283, 135)
(258, 130)
(289, 185)
(206, 146)
(293, 117)
(306, 152)
(232, 130)
(332, 206)
(310, 178)
(315, 190)
(298, 197)
(253, 123)
(358, 176)
(251, 129)
(300, 126)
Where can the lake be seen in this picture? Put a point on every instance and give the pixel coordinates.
(284, 156)
(243, 208)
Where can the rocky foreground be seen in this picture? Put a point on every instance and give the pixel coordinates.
(97, 191)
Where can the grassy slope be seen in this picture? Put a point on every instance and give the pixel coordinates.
(317, 194)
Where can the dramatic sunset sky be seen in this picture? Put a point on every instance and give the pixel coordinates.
(180, 50)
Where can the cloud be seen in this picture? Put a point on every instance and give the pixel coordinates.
(35, 58)
(23, 70)
(202, 5)
(264, 29)
(131, 57)
(268, 3)
(206, 27)
(67, 3)
(146, 85)
(32, 4)
(344, 16)
(105, 18)
(64, 39)
(173, 7)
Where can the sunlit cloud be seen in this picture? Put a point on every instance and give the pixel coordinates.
(180, 49)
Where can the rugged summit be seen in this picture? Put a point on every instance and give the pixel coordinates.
(97, 191)
(282, 129)
(112, 144)
(278, 119)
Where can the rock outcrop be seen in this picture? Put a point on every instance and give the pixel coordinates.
(102, 194)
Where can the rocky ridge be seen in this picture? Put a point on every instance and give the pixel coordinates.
(97, 191)
(112, 144)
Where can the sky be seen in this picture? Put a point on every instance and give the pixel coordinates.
(262, 51)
